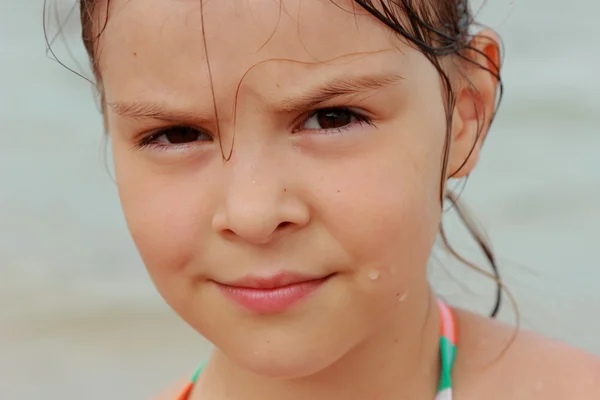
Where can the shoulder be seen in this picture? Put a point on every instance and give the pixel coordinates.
(518, 364)
(560, 371)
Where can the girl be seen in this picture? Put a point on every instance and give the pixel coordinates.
(282, 167)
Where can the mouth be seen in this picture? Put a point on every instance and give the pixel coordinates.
(272, 294)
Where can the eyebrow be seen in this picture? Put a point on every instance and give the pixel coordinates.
(338, 87)
(157, 111)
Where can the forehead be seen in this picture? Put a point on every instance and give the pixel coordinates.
(150, 46)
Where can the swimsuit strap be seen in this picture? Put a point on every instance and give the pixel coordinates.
(187, 391)
(447, 350)
(448, 341)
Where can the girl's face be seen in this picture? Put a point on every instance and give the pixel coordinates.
(336, 134)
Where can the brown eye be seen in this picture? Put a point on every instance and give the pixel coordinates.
(335, 119)
(174, 136)
(180, 135)
(332, 119)
(329, 119)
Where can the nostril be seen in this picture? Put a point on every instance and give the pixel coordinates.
(283, 225)
(229, 232)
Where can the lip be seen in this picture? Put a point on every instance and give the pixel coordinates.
(271, 294)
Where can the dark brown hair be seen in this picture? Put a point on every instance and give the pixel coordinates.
(440, 29)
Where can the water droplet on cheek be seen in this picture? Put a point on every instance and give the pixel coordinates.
(402, 297)
(373, 274)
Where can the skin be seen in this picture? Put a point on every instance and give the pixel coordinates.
(353, 202)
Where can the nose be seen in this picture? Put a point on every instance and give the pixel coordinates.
(259, 207)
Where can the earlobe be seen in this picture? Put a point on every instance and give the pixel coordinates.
(475, 103)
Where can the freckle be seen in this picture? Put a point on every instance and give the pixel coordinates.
(396, 340)
(339, 191)
(285, 189)
(134, 54)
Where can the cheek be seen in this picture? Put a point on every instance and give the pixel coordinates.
(389, 235)
(164, 213)
(385, 208)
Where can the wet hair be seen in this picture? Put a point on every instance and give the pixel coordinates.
(441, 31)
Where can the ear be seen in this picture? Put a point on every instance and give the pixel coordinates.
(475, 103)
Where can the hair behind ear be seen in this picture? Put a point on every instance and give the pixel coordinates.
(483, 244)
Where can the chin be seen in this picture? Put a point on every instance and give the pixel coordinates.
(288, 366)
(303, 342)
(286, 354)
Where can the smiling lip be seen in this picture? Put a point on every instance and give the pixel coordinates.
(273, 294)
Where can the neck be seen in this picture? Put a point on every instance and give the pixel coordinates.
(401, 360)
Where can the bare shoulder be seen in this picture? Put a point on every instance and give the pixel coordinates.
(494, 358)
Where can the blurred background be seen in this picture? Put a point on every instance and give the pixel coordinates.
(77, 310)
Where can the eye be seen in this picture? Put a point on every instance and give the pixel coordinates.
(173, 136)
(180, 135)
(332, 119)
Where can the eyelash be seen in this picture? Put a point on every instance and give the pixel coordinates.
(359, 119)
(151, 139)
